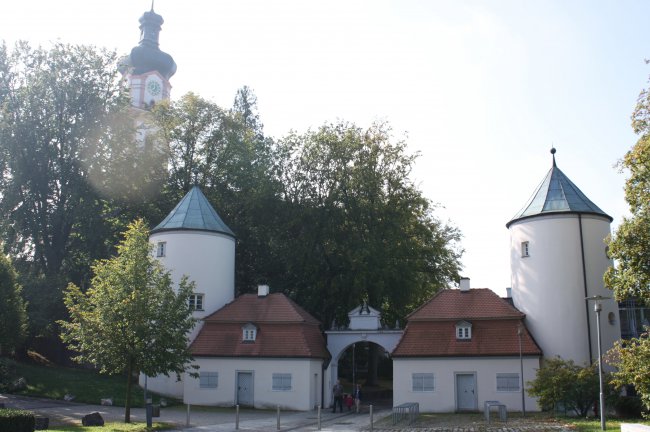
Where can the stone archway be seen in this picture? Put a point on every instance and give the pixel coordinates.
(365, 326)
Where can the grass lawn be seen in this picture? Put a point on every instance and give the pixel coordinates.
(114, 427)
(593, 425)
(54, 382)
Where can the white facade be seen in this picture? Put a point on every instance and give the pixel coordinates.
(207, 258)
(548, 283)
(303, 394)
(447, 394)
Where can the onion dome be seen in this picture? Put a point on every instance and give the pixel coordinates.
(557, 194)
(193, 213)
(147, 56)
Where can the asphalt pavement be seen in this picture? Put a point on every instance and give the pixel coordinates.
(200, 418)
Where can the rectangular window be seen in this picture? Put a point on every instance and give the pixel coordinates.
(281, 382)
(463, 333)
(209, 379)
(524, 249)
(508, 382)
(422, 382)
(161, 249)
(196, 302)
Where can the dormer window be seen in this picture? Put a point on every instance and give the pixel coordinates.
(249, 333)
(463, 330)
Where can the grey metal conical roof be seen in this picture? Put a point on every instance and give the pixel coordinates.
(195, 213)
(557, 194)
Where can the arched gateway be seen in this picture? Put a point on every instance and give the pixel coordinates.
(365, 326)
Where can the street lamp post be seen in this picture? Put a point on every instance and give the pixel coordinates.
(598, 307)
(520, 333)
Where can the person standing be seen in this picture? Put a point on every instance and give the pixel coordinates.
(357, 396)
(337, 393)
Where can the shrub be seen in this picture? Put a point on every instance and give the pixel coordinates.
(562, 382)
(16, 420)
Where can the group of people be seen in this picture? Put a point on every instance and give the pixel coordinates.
(339, 397)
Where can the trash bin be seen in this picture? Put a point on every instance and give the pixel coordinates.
(155, 410)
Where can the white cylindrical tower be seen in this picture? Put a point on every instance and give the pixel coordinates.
(558, 258)
(193, 241)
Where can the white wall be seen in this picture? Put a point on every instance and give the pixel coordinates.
(548, 286)
(208, 259)
(443, 397)
(167, 386)
(304, 395)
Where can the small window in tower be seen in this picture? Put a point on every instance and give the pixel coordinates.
(525, 251)
(196, 302)
(161, 249)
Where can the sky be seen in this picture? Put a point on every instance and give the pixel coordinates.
(480, 89)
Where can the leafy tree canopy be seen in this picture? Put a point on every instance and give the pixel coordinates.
(357, 227)
(131, 319)
(630, 245)
(63, 120)
(632, 361)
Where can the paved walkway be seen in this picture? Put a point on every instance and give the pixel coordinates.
(203, 420)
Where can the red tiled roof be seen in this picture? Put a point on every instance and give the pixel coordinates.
(477, 303)
(284, 329)
(431, 329)
(274, 307)
(489, 338)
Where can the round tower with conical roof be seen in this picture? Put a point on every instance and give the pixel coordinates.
(558, 258)
(193, 241)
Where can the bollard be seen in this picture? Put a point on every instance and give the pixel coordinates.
(318, 417)
(187, 417)
(236, 417)
(370, 418)
(278, 417)
(148, 411)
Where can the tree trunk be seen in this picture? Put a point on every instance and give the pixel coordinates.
(129, 383)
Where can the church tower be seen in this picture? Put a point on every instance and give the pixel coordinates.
(147, 68)
(558, 258)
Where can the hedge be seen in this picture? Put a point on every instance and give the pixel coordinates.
(16, 420)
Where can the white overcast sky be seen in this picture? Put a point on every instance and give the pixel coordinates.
(482, 89)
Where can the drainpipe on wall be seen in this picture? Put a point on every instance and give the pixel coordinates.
(584, 279)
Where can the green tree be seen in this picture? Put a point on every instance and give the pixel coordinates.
(62, 110)
(562, 382)
(225, 152)
(630, 248)
(131, 319)
(632, 361)
(13, 316)
(630, 244)
(356, 227)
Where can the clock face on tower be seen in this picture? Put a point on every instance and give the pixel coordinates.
(154, 87)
